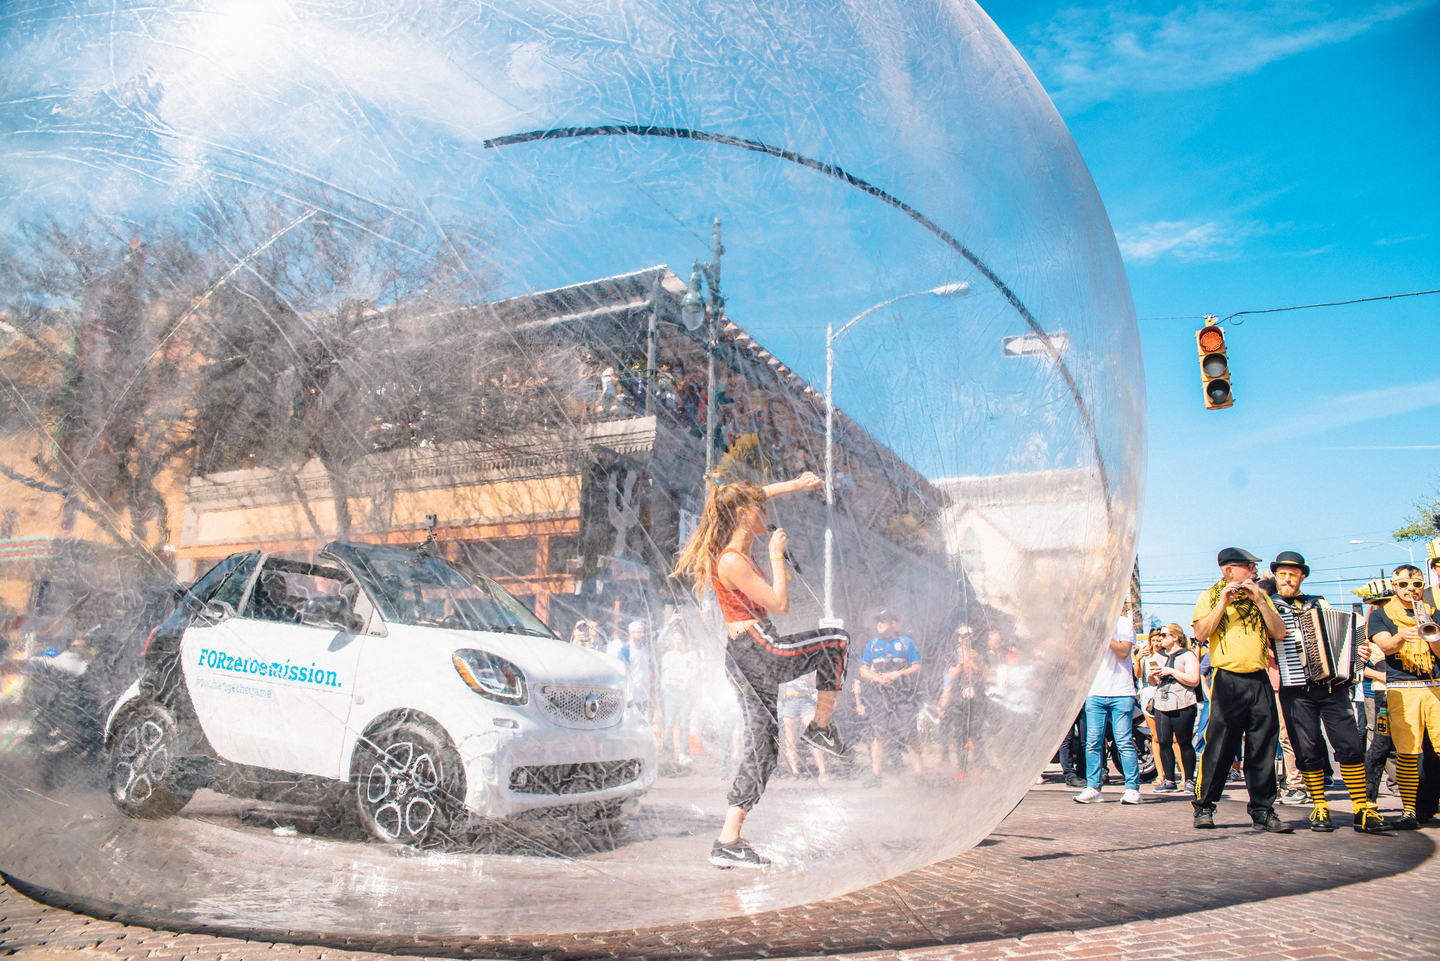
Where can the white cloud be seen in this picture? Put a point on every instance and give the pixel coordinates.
(1387, 241)
(1181, 239)
(1087, 55)
(1336, 413)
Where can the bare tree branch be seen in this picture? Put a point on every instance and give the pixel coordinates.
(34, 483)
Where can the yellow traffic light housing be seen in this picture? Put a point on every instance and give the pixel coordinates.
(1214, 365)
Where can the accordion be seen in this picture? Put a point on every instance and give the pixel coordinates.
(1326, 647)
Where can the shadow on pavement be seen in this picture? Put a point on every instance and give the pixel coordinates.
(1052, 866)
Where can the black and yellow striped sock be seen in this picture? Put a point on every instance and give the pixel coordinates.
(1407, 772)
(1315, 784)
(1354, 777)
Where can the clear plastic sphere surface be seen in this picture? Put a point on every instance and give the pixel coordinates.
(362, 369)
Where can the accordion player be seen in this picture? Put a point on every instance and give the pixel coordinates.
(1324, 650)
(1318, 663)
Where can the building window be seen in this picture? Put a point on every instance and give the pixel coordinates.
(971, 558)
(511, 557)
(563, 550)
(46, 599)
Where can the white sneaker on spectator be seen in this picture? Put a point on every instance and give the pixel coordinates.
(1130, 797)
(1089, 796)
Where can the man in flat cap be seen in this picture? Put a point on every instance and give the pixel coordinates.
(1305, 704)
(1239, 621)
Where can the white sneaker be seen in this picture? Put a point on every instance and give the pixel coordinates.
(1089, 796)
(1130, 797)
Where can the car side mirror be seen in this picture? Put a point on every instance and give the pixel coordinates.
(216, 611)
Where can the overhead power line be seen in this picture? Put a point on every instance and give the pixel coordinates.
(1335, 303)
(1276, 310)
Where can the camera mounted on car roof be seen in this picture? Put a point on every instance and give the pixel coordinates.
(423, 551)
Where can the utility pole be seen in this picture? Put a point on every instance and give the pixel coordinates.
(717, 304)
(692, 310)
(1135, 615)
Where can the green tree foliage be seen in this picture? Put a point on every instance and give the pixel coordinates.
(1424, 523)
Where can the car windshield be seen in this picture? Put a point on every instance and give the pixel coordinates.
(430, 592)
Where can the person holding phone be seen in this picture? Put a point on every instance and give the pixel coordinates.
(1175, 673)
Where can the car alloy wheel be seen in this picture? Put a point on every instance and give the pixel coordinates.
(408, 783)
(143, 763)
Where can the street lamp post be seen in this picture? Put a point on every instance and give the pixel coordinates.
(692, 313)
(1404, 547)
(829, 620)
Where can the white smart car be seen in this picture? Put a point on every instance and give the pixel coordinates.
(432, 691)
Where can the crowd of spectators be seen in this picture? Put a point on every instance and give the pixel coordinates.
(901, 721)
(1160, 690)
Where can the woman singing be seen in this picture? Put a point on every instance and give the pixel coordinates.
(757, 658)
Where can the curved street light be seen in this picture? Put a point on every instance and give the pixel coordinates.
(1404, 547)
(829, 620)
(1047, 346)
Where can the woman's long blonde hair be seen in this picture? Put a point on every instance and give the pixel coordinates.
(696, 562)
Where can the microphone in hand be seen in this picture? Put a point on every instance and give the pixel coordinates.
(789, 558)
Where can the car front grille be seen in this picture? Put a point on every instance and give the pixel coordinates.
(592, 705)
(582, 778)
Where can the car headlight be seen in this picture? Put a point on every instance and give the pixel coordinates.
(490, 676)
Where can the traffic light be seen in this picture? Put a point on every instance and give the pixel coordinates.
(1214, 366)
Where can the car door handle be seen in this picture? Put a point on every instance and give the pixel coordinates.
(340, 641)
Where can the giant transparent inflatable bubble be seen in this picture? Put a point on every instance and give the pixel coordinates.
(362, 369)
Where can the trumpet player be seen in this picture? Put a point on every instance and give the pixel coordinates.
(1405, 630)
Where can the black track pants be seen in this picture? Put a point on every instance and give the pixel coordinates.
(758, 662)
(1241, 706)
(1305, 708)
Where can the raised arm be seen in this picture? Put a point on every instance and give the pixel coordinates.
(1390, 643)
(805, 482)
(1274, 623)
(1207, 625)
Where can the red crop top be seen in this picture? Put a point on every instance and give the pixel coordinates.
(735, 606)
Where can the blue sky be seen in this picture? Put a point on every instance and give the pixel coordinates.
(1248, 155)
(1253, 156)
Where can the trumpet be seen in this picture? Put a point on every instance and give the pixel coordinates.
(1428, 628)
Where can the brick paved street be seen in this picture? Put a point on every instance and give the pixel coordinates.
(1055, 880)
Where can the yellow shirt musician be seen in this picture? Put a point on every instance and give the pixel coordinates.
(1238, 620)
